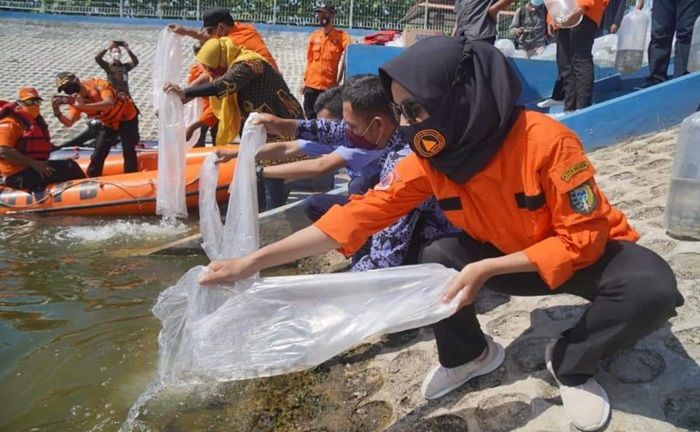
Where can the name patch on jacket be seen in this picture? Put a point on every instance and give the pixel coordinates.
(573, 170)
(583, 199)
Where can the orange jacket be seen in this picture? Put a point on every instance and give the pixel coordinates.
(207, 116)
(322, 57)
(98, 90)
(11, 131)
(246, 36)
(537, 195)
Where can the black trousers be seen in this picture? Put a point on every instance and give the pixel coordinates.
(107, 137)
(31, 180)
(669, 17)
(575, 63)
(631, 289)
(558, 90)
(310, 96)
(201, 142)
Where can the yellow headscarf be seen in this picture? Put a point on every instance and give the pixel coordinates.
(222, 52)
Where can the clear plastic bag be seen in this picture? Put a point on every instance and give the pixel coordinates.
(265, 326)
(170, 195)
(193, 109)
(605, 50)
(631, 42)
(506, 46)
(549, 53)
(286, 324)
(561, 10)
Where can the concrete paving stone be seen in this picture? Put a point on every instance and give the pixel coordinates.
(32, 53)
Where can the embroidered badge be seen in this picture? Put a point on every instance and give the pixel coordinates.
(428, 143)
(385, 182)
(573, 170)
(583, 199)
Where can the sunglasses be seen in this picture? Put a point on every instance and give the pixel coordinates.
(408, 108)
(30, 102)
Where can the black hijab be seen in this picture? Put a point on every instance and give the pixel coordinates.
(469, 89)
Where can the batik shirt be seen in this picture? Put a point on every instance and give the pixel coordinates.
(389, 246)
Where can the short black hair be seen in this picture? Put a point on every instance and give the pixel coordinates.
(216, 15)
(332, 101)
(366, 95)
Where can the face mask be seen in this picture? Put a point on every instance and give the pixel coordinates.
(218, 72)
(359, 141)
(537, 2)
(429, 137)
(32, 110)
(71, 88)
(116, 55)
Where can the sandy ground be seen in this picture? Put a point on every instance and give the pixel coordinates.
(653, 387)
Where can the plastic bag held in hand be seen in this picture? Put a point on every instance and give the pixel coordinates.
(170, 194)
(261, 327)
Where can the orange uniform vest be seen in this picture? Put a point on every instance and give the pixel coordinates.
(322, 57)
(247, 36)
(536, 195)
(97, 90)
(34, 141)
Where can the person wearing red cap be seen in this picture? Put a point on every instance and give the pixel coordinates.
(25, 145)
(323, 59)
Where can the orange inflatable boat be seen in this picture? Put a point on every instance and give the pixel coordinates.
(110, 195)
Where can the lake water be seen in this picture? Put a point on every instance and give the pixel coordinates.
(78, 342)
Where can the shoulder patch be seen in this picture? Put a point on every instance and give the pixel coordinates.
(583, 199)
(568, 173)
(386, 181)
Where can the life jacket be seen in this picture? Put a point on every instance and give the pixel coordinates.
(381, 37)
(116, 113)
(36, 141)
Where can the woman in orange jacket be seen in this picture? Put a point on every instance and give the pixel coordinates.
(533, 222)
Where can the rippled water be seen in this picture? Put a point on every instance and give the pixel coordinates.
(77, 337)
(78, 342)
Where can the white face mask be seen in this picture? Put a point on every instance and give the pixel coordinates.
(116, 55)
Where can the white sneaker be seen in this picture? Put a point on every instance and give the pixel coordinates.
(442, 380)
(548, 103)
(587, 404)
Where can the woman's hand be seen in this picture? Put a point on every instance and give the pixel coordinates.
(230, 270)
(224, 156)
(275, 125)
(174, 88)
(470, 280)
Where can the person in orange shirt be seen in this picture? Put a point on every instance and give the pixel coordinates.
(98, 100)
(217, 22)
(534, 222)
(323, 59)
(198, 75)
(25, 145)
(575, 51)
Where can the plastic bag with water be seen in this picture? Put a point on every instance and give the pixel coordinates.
(265, 326)
(561, 10)
(631, 42)
(605, 50)
(549, 53)
(172, 148)
(682, 213)
(506, 46)
(694, 55)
